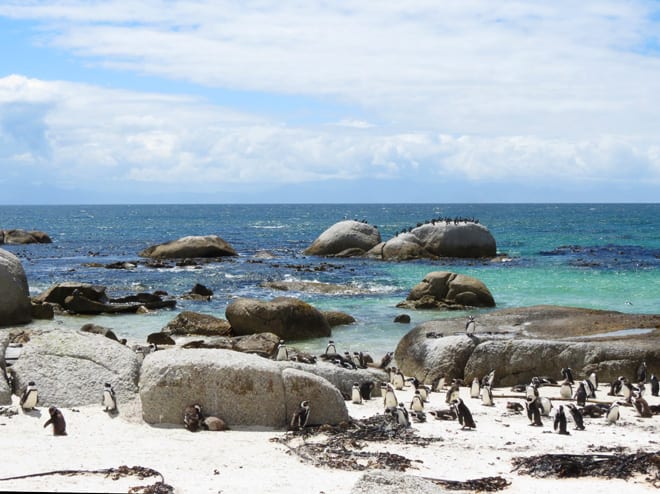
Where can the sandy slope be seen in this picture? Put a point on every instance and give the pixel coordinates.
(240, 461)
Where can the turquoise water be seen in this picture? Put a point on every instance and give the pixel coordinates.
(603, 256)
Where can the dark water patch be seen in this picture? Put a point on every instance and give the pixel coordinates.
(609, 256)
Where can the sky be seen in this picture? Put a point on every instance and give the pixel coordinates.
(206, 101)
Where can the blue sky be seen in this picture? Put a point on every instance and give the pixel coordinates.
(162, 101)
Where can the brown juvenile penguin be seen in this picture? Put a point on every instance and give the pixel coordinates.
(193, 418)
(57, 419)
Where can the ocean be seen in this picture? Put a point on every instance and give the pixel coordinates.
(601, 256)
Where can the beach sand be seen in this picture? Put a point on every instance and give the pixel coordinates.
(247, 460)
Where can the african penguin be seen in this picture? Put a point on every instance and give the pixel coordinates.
(282, 352)
(581, 394)
(401, 415)
(356, 396)
(57, 419)
(398, 380)
(389, 398)
(470, 325)
(109, 401)
(463, 414)
(655, 385)
(30, 397)
(567, 373)
(612, 414)
(301, 416)
(642, 407)
(192, 417)
(417, 404)
(475, 389)
(487, 396)
(366, 388)
(533, 412)
(593, 379)
(545, 405)
(576, 416)
(330, 349)
(565, 390)
(560, 421)
(641, 372)
(452, 393)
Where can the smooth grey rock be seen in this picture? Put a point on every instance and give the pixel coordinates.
(337, 318)
(71, 367)
(447, 290)
(344, 236)
(193, 323)
(191, 246)
(434, 240)
(241, 389)
(24, 237)
(384, 481)
(15, 306)
(287, 317)
(326, 402)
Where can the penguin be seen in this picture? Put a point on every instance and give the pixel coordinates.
(57, 419)
(389, 399)
(444, 414)
(419, 417)
(330, 349)
(463, 414)
(475, 389)
(109, 399)
(192, 417)
(366, 388)
(357, 361)
(301, 416)
(641, 372)
(533, 412)
(490, 379)
(642, 407)
(470, 326)
(452, 393)
(593, 379)
(615, 386)
(626, 390)
(567, 374)
(581, 394)
(401, 414)
(30, 397)
(386, 360)
(560, 421)
(356, 396)
(566, 390)
(438, 384)
(398, 380)
(417, 404)
(576, 416)
(545, 405)
(612, 414)
(594, 411)
(655, 385)
(531, 391)
(423, 389)
(487, 396)
(282, 352)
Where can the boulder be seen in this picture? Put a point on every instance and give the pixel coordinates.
(337, 318)
(71, 367)
(24, 237)
(42, 310)
(5, 391)
(58, 293)
(348, 235)
(263, 344)
(438, 239)
(241, 389)
(519, 344)
(15, 306)
(191, 246)
(159, 338)
(193, 323)
(198, 292)
(446, 290)
(312, 287)
(289, 318)
(100, 330)
(402, 319)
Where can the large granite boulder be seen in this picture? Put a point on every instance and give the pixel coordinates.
(289, 318)
(345, 238)
(241, 389)
(71, 367)
(15, 306)
(191, 246)
(438, 239)
(193, 323)
(518, 344)
(446, 290)
(20, 237)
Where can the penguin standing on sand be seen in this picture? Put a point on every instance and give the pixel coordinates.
(470, 326)
(560, 421)
(581, 394)
(452, 393)
(57, 419)
(545, 405)
(356, 396)
(301, 416)
(533, 412)
(593, 379)
(417, 404)
(401, 415)
(389, 399)
(30, 397)
(655, 385)
(464, 415)
(366, 388)
(566, 390)
(642, 407)
(612, 414)
(616, 385)
(423, 389)
(487, 396)
(109, 399)
(398, 379)
(282, 352)
(577, 416)
(641, 372)
(475, 388)
(567, 374)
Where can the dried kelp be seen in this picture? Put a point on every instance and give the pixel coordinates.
(615, 466)
(484, 484)
(344, 445)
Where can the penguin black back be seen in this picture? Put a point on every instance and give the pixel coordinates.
(57, 419)
(560, 421)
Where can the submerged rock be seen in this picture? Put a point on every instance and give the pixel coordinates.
(446, 290)
(191, 246)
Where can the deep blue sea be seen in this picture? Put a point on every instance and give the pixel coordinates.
(604, 256)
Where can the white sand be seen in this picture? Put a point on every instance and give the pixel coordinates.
(242, 461)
